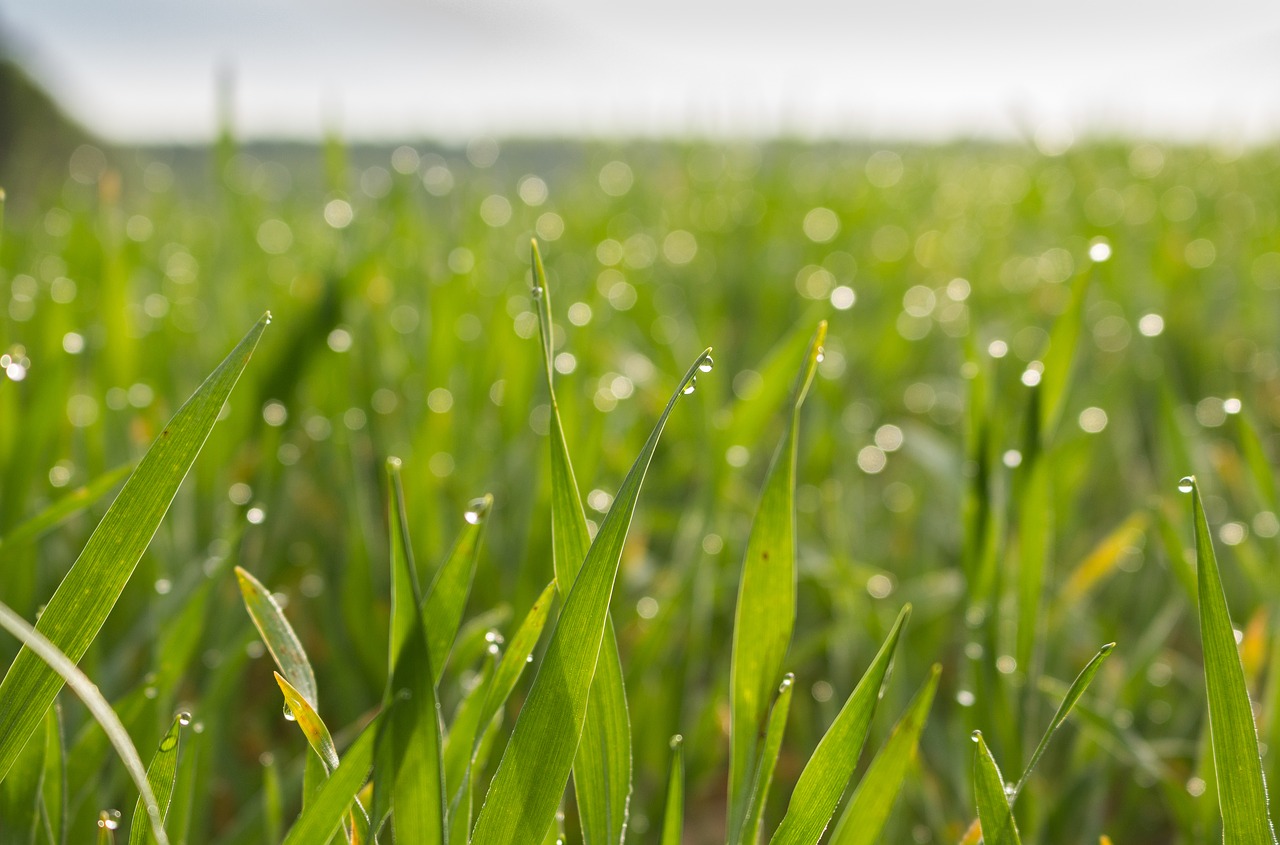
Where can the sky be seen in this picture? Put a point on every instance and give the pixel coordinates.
(147, 70)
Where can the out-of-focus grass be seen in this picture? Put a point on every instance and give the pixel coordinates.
(399, 283)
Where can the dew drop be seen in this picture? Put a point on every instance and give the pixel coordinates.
(706, 364)
(109, 819)
(821, 356)
(477, 510)
(787, 680)
(184, 718)
(1186, 483)
(691, 386)
(267, 317)
(976, 736)
(536, 292)
(288, 714)
(676, 741)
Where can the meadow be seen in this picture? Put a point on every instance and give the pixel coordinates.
(965, 378)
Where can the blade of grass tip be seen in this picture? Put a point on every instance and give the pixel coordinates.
(673, 816)
(1055, 380)
(745, 831)
(1074, 692)
(1242, 794)
(68, 673)
(827, 774)
(994, 812)
(766, 608)
(535, 765)
(309, 721)
(63, 509)
(161, 774)
(602, 769)
(446, 598)
(868, 810)
(410, 752)
(82, 602)
(278, 636)
(323, 816)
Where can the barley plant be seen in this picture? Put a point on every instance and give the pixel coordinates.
(682, 493)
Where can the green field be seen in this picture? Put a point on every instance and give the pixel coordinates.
(1024, 354)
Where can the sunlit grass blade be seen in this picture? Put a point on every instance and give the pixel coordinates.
(1103, 559)
(447, 596)
(766, 608)
(519, 648)
(68, 673)
(82, 602)
(745, 829)
(994, 812)
(278, 636)
(463, 732)
(1074, 692)
(602, 770)
(309, 721)
(1055, 382)
(868, 810)
(1242, 794)
(522, 798)
(64, 508)
(53, 789)
(410, 755)
(826, 775)
(323, 815)
(673, 815)
(161, 774)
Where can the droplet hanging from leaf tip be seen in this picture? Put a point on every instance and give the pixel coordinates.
(1186, 483)
(976, 736)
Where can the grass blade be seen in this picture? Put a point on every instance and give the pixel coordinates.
(746, 828)
(766, 608)
(447, 597)
(278, 636)
(83, 600)
(869, 808)
(323, 816)
(602, 770)
(66, 507)
(521, 801)
(1242, 794)
(673, 817)
(516, 658)
(161, 774)
(312, 726)
(994, 812)
(54, 788)
(1055, 382)
(67, 673)
(828, 771)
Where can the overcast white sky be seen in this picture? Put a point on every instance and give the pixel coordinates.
(146, 69)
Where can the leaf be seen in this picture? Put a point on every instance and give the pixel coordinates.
(1102, 560)
(464, 732)
(161, 774)
(309, 721)
(868, 810)
(1242, 795)
(447, 597)
(54, 787)
(278, 636)
(827, 774)
(994, 812)
(323, 815)
(63, 509)
(766, 608)
(82, 602)
(744, 831)
(602, 769)
(531, 777)
(673, 817)
(1035, 548)
(66, 671)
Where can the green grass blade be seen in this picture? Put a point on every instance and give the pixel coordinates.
(64, 508)
(54, 788)
(82, 602)
(994, 812)
(746, 829)
(272, 801)
(411, 760)
(766, 608)
(67, 673)
(602, 770)
(524, 793)
(447, 597)
(1255, 456)
(323, 815)
(673, 816)
(278, 636)
(458, 744)
(309, 721)
(1055, 382)
(1242, 794)
(161, 774)
(516, 658)
(826, 775)
(20, 796)
(1035, 545)
(1077, 689)
(868, 810)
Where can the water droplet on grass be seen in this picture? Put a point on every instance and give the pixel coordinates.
(976, 736)
(477, 510)
(821, 356)
(1186, 483)
(706, 365)
(184, 718)
(288, 714)
(787, 681)
(691, 386)
(536, 292)
(676, 741)
(109, 819)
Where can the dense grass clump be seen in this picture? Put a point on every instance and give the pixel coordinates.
(497, 532)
